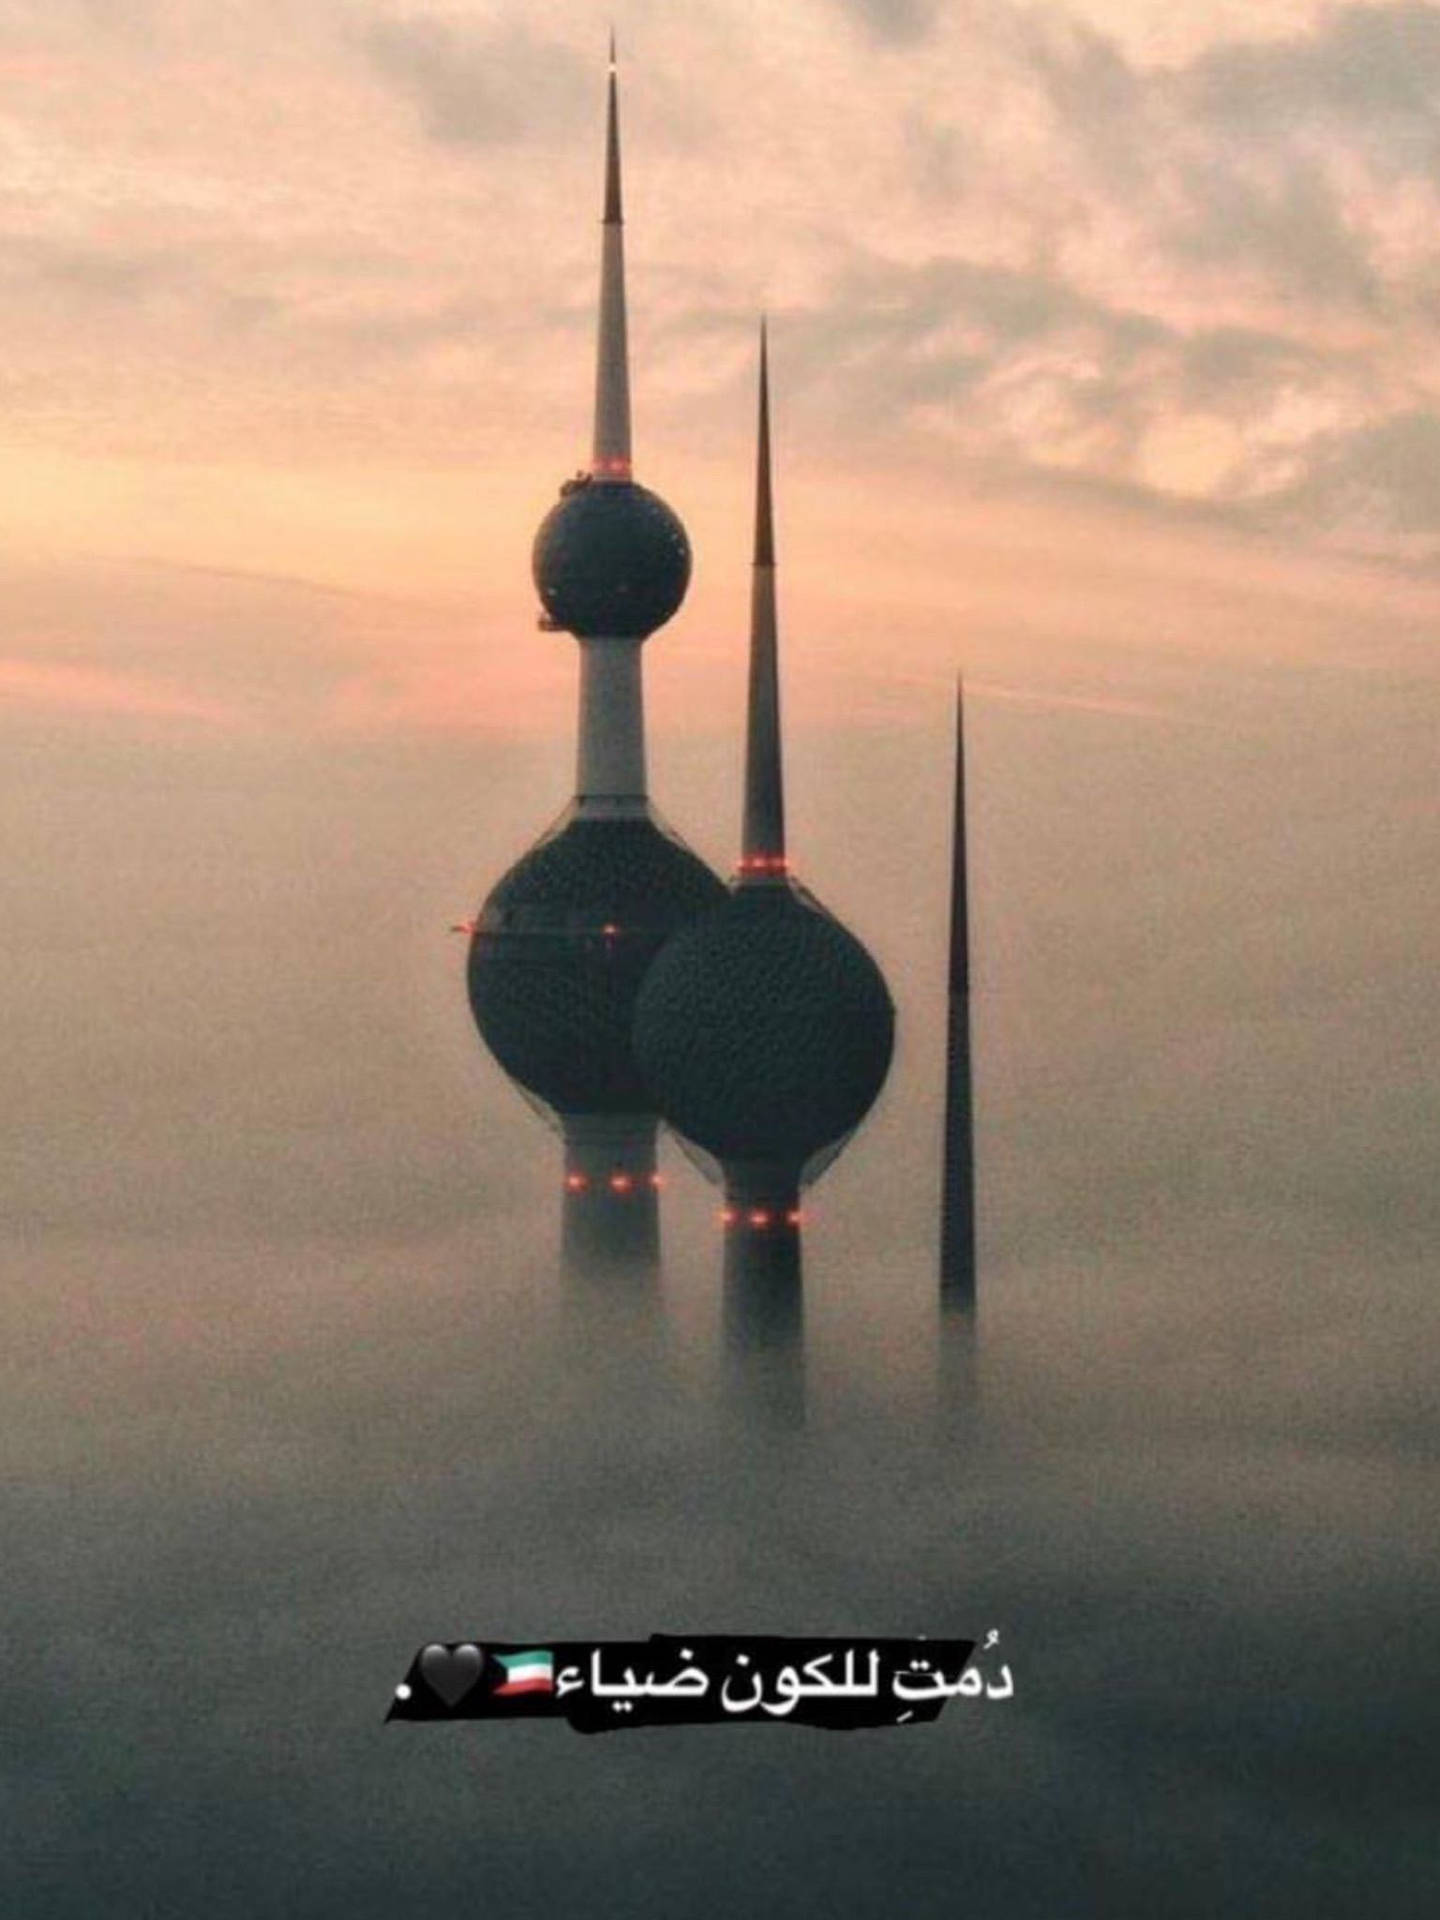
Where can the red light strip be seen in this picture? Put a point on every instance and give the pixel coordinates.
(760, 1218)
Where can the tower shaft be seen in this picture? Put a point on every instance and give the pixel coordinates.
(611, 1216)
(763, 1327)
(610, 765)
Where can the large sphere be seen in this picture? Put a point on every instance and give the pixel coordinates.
(764, 1030)
(561, 947)
(611, 561)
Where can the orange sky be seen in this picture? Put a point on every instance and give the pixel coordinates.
(1102, 338)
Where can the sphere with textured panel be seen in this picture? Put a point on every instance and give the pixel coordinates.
(561, 947)
(611, 560)
(764, 1030)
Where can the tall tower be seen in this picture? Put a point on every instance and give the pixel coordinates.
(561, 944)
(764, 1030)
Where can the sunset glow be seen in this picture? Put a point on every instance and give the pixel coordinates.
(1100, 284)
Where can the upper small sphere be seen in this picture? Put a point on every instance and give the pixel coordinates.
(611, 560)
(764, 1029)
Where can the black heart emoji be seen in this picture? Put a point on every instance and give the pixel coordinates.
(451, 1671)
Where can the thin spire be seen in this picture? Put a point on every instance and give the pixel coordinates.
(764, 506)
(613, 214)
(611, 459)
(959, 877)
(762, 855)
(957, 1223)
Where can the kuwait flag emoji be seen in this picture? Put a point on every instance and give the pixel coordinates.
(526, 1673)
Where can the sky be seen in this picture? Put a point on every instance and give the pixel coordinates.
(1067, 305)
(1102, 363)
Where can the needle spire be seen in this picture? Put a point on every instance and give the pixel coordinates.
(957, 1225)
(762, 853)
(611, 460)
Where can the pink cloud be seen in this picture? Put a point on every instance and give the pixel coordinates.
(35, 683)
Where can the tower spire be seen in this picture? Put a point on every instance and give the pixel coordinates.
(611, 456)
(762, 850)
(957, 1224)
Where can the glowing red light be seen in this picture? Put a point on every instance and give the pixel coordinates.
(620, 1183)
(794, 1217)
(728, 1216)
(610, 930)
(759, 1217)
(576, 1182)
(657, 1179)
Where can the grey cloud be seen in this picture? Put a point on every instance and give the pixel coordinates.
(1285, 223)
(881, 303)
(1084, 73)
(885, 343)
(899, 22)
(96, 272)
(71, 289)
(1242, 175)
(941, 157)
(362, 304)
(1211, 160)
(482, 88)
(1383, 477)
(1367, 71)
(1374, 71)
(953, 344)
(1235, 368)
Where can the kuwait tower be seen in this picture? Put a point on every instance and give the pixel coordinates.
(764, 1029)
(562, 943)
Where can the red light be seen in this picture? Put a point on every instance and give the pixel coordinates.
(610, 930)
(794, 1217)
(620, 1183)
(759, 1218)
(657, 1179)
(576, 1182)
(728, 1216)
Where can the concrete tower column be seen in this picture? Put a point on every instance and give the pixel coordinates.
(610, 767)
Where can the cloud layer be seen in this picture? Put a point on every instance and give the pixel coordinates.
(1012, 232)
